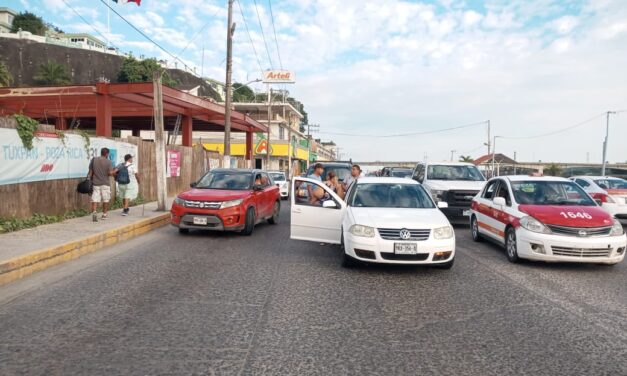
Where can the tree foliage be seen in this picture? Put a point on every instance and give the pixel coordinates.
(553, 170)
(28, 21)
(466, 158)
(52, 73)
(6, 79)
(134, 70)
(242, 93)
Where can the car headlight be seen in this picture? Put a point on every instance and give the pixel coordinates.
(360, 230)
(437, 194)
(534, 225)
(617, 229)
(179, 201)
(445, 232)
(230, 204)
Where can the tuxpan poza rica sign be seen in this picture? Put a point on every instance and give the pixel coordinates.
(278, 77)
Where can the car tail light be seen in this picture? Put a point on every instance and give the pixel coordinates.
(601, 198)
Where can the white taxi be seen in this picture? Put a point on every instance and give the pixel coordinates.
(278, 177)
(609, 192)
(381, 220)
(546, 219)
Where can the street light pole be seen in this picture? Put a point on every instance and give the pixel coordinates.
(229, 86)
(269, 126)
(494, 154)
(452, 154)
(607, 136)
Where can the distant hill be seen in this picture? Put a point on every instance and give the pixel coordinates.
(23, 57)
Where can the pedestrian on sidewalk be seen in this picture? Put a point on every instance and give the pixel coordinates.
(128, 182)
(100, 169)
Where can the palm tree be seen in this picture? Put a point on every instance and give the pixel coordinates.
(466, 158)
(5, 76)
(52, 73)
(553, 170)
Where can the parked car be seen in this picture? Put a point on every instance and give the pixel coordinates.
(398, 172)
(609, 192)
(455, 183)
(546, 219)
(341, 169)
(384, 220)
(278, 177)
(227, 200)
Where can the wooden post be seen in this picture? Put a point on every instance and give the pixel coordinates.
(160, 158)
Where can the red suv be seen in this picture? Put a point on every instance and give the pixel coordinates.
(227, 200)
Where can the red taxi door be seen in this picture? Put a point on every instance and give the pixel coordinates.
(492, 218)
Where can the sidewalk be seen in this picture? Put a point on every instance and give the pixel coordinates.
(27, 251)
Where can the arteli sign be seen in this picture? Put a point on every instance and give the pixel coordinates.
(52, 158)
(278, 77)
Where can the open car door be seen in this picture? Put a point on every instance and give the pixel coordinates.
(320, 221)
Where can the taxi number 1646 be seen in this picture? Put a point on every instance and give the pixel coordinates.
(576, 215)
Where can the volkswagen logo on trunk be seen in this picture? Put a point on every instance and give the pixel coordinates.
(405, 234)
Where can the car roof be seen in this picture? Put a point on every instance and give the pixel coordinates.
(276, 172)
(401, 168)
(385, 180)
(449, 163)
(238, 170)
(595, 177)
(532, 178)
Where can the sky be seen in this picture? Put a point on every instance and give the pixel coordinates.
(375, 73)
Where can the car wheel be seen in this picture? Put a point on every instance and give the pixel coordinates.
(474, 229)
(511, 247)
(447, 265)
(250, 222)
(275, 214)
(183, 231)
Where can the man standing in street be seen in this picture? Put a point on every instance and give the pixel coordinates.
(100, 168)
(350, 179)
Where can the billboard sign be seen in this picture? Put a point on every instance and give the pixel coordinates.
(278, 77)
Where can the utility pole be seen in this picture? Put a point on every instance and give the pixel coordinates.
(227, 99)
(493, 157)
(309, 141)
(269, 126)
(607, 136)
(488, 144)
(452, 154)
(160, 158)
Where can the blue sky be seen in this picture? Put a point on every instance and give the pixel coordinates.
(384, 67)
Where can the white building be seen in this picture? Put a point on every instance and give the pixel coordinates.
(84, 41)
(6, 19)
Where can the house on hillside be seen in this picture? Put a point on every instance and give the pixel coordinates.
(86, 41)
(6, 19)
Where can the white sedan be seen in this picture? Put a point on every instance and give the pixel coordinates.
(610, 193)
(279, 179)
(383, 220)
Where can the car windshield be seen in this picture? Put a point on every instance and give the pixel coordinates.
(401, 173)
(550, 193)
(385, 195)
(277, 176)
(452, 172)
(232, 180)
(612, 183)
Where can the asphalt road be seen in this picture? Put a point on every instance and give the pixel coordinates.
(226, 304)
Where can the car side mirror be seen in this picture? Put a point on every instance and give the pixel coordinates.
(193, 185)
(442, 204)
(329, 204)
(500, 201)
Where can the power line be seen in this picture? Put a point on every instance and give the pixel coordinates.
(88, 24)
(144, 35)
(562, 130)
(250, 37)
(276, 41)
(406, 134)
(198, 33)
(263, 35)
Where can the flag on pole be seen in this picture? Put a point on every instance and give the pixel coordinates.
(138, 2)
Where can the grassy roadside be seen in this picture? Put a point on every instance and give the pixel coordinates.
(11, 224)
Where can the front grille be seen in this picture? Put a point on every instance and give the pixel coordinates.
(395, 234)
(583, 232)
(581, 252)
(203, 204)
(460, 198)
(621, 216)
(395, 257)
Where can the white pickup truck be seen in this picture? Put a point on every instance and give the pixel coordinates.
(455, 183)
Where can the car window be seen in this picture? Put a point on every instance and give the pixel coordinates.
(454, 172)
(401, 173)
(488, 192)
(550, 193)
(225, 180)
(419, 173)
(385, 195)
(340, 171)
(582, 183)
(265, 180)
(503, 191)
(612, 183)
(277, 176)
(309, 194)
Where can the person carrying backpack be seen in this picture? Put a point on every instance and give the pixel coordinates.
(127, 177)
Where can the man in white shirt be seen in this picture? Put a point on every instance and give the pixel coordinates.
(350, 179)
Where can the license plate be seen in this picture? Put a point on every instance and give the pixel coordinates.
(405, 248)
(200, 221)
(466, 213)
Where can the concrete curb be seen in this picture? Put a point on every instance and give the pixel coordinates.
(22, 266)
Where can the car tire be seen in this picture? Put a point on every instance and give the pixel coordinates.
(275, 214)
(249, 225)
(183, 231)
(474, 230)
(511, 246)
(447, 265)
